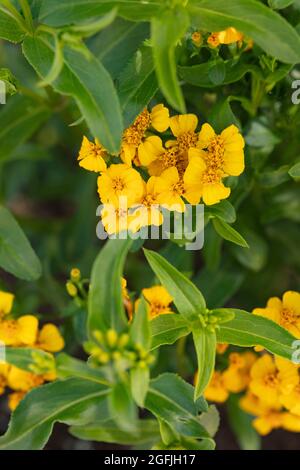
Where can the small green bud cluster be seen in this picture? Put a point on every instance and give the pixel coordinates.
(111, 347)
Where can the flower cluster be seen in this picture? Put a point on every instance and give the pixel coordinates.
(271, 384)
(166, 162)
(24, 332)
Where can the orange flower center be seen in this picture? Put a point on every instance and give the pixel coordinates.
(214, 159)
(10, 327)
(157, 308)
(178, 188)
(186, 141)
(118, 184)
(288, 317)
(134, 134)
(271, 380)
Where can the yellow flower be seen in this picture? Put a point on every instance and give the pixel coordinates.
(22, 331)
(3, 377)
(291, 422)
(158, 118)
(49, 339)
(264, 424)
(216, 390)
(92, 156)
(120, 181)
(253, 405)
(216, 157)
(23, 381)
(158, 299)
(291, 401)
(270, 379)
(14, 399)
(222, 348)
(228, 36)
(170, 190)
(184, 128)
(148, 212)
(285, 312)
(237, 376)
(115, 220)
(197, 38)
(6, 303)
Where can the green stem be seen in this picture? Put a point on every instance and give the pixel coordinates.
(180, 354)
(27, 15)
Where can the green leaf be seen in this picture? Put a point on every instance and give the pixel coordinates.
(171, 399)
(241, 424)
(211, 420)
(187, 298)
(222, 116)
(166, 30)
(66, 401)
(147, 432)
(105, 303)
(223, 210)
(16, 254)
(140, 330)
(294, 172)
(279, 4)
(256, 257)
(249, 330)
(267, 28)
(219, 286)
(122, 407)
(167, 329)
(96, 99)
(24, 358)
(11, 83)
(10, 28)
(200, 75)
(228, 233)
(139, 383)
(117, 44)
(63, 12)
(68, 366)
(19, 120)
(137, 85)
(205, 346)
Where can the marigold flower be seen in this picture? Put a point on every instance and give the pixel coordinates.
(228, 36)
(197, 38)
(220, 156)
(147, 213)
(133, 136)
(237, 376)
(120, 181)
(272, 378)
(170, 190)
(49, 339)
(22, 331)
(92, 156)
(159, 301)
(216, 390)
(116, 220)
(285, 312)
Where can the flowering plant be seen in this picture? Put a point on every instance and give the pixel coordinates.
(173, 106)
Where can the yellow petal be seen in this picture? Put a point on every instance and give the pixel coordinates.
(50, 339)
(150, 150)
(93, 163)
(183, 123)
(234, 163)
(6, 302)
(206, 135)
(28, 328)
(214, 193)
(291, 300)
(160, 118)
